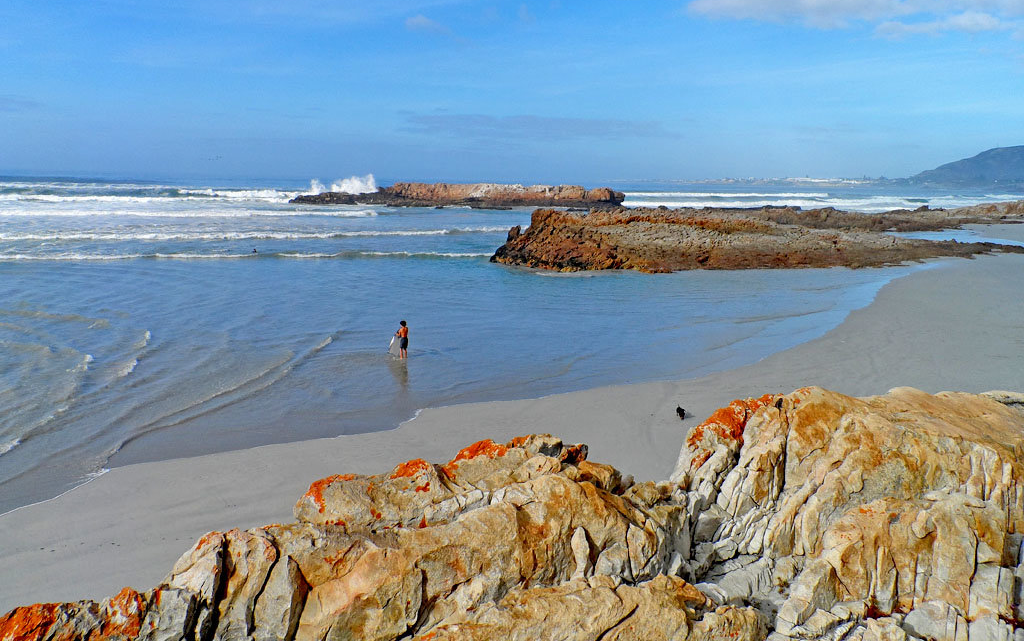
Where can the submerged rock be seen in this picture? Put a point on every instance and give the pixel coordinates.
(810, 515)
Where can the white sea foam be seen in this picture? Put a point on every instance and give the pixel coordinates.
(77, 256)
(91, 476)
(67, 256)
(253, 195)
(352, 185)
(724, 194)
(867, 205)
(9, 445)
(127, 368)
(427, 254)
(112, 236)
(192, 213)
(271, 195)
(84, 365)
(382, 254)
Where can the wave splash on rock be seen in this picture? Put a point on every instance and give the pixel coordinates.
(810, 515)
(479, 195)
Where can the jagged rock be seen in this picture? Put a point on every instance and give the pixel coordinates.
(481, 195)
(804, 516)
(656, 240)
(897, 502)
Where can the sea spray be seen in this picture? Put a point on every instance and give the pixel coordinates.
(351, 185)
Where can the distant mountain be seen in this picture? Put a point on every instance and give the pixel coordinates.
(1002, 165)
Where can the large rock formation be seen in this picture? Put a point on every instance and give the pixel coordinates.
(662, 240)
(484, 195)
(805, 516)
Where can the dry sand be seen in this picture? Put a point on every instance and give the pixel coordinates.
(958, 325)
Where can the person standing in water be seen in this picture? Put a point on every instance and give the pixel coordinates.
(403, 335)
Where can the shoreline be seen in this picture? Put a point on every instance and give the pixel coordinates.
(938, 328)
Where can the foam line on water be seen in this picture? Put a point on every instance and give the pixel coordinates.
(234, 235)
(724, 194)
(70, 257)
(89, 478)
(169, 213)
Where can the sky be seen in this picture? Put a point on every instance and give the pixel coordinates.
(536, 91)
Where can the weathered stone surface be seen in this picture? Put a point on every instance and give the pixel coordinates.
(661, 240)
(472, 194)
(892, 504)
(804, 516)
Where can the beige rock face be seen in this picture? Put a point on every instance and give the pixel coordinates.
(867, 508)
(807, 516)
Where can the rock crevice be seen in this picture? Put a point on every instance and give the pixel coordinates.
(809, 515)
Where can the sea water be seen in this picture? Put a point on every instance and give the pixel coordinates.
(144, 321)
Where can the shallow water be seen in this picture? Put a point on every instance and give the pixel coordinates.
(136, 326)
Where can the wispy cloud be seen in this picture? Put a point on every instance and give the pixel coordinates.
(891, 18)
(12, 104)
(531, 127)
(425, 24)
(967, 22)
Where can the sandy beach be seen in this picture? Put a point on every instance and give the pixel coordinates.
(953, 326)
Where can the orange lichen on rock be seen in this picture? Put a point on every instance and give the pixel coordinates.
(316, 489)
(518, 441)
(486, 447)
(29, 622)
(410, 468)
(700, 459)
(124, 616)
(728, 422)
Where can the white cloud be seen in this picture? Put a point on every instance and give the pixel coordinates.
(891, 18)
(423, 23)
(968, 22)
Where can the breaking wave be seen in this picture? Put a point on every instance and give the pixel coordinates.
(351, 185)
(113, 236)
(76, 256)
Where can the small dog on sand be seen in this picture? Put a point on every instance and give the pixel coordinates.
(680, 412)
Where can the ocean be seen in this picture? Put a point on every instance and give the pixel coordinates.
(144, 321)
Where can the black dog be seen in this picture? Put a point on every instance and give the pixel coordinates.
(680, 412)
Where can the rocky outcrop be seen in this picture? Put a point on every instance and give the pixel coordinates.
(810, 515)
(483, 195)
(663, 240)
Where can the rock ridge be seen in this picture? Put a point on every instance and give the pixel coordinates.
(480, 195)
(664, 240)
(809, 515)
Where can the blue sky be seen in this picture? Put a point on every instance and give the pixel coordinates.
(552, 91)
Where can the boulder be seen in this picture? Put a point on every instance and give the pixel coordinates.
(809, 515)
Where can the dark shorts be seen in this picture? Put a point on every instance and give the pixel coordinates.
(404, 344)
